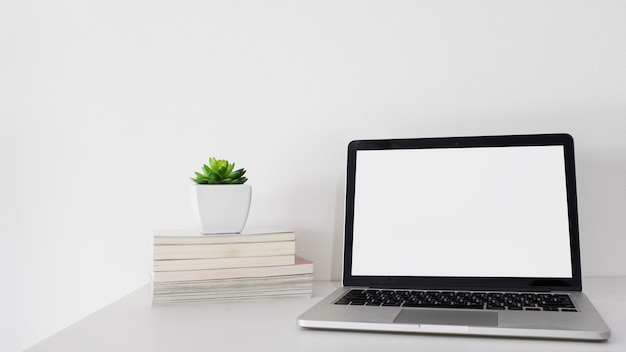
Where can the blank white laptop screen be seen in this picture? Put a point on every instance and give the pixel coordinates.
(461, 212)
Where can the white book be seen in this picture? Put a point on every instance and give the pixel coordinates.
(220, 263)
(224, 250)
(175, 237)
(301, 266)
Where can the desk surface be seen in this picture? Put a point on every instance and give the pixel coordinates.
(132, 324)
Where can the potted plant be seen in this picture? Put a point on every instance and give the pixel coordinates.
(220, 199)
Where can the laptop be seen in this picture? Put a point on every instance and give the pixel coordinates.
(462, 235)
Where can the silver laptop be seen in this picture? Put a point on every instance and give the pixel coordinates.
(463, 235)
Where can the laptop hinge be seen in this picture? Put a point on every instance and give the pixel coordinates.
(493, 289)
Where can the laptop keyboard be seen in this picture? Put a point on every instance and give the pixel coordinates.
(459, 300)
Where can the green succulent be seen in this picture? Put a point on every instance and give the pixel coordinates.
(219, 172)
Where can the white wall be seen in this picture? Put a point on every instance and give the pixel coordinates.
(107, 107)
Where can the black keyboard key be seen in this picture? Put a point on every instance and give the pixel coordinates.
(458, 300)
(358, 303)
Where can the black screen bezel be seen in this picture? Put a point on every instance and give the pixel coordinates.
(468, 283)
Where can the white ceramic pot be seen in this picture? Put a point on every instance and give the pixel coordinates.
(221, 208)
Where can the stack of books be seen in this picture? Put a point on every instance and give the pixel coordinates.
(191, 267)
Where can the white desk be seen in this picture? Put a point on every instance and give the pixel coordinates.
(132, 324)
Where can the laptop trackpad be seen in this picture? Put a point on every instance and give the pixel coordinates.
(447, 317)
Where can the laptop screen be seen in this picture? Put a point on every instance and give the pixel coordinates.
(477, 211)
